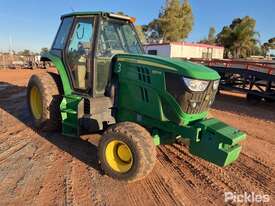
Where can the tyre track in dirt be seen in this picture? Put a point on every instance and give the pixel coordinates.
(240, 177)
(68, 185)
(181, 179)
(258, 180)
(202, 182)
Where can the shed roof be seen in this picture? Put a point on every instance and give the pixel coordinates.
(185, 44)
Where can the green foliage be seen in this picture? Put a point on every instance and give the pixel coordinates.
(25, 52)
(271, 43)
(267, 46)
(187, 19)
(140, 33)
(211, 39)
(170, 21)
(44, 49)
(239, 38)
(174, 22)
(272, 40)
(155, 27)
(212, 35)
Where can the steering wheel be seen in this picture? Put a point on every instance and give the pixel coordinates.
(109, 42)
(80, 36)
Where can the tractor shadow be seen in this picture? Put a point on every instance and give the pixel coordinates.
(237, 103)
(13, 101)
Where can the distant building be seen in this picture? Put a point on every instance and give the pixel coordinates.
(185, 50)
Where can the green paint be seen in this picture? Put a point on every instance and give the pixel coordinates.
(184, 68)
(218, 142)
(69, 108)
(159, 111)
(149, 97)
(61, 71)
(156, 138)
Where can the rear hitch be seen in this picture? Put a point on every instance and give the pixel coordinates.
(217, 142)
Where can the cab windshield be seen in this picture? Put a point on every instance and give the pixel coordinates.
(116, 37)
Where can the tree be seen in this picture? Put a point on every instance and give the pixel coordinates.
(44, 49)
(211, 39)
(170, 21)
(140, 33)
(212, 35)
(239, 38)
(271, 43)
(267, 46)
(187, 19)
(25, 52)
(225, 39)
(174, 23)
(153, 31)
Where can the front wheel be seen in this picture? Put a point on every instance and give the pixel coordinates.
(127, 152)
(44, 98)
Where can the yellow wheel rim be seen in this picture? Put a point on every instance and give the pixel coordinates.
(36, 103)
(119, 156)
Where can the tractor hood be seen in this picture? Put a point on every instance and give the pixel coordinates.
(181, 67)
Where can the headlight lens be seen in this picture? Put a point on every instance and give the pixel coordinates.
(195, 84)
(216, 84)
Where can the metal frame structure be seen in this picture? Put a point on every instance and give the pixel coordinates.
(257, 79)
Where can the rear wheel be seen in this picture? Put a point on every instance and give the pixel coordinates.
(44, 98)
(127, 152)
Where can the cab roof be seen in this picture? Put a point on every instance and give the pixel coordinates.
(100, 13)
(83, 13)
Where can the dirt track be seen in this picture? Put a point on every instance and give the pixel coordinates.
(39, 168)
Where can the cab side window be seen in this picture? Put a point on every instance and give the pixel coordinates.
(79, 51)
(60, 40)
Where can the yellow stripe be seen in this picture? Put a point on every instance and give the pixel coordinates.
(145, 63)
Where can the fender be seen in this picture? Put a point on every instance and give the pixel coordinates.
(56, 60)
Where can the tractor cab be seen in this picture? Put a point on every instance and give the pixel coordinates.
(86, 42)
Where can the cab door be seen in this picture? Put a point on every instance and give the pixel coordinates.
(78, 53)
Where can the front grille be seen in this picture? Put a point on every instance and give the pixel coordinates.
(176, 87)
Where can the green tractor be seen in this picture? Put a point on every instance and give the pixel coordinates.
(105, 82)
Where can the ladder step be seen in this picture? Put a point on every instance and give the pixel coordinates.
(70, 111)
(72, 97)
(70, 124)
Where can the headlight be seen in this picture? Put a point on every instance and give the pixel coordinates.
(216, 84)
(195, 84)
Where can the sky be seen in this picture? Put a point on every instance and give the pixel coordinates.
(32, 24)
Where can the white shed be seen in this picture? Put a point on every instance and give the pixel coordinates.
(185, 50)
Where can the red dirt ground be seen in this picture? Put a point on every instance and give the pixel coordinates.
(38, 168)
